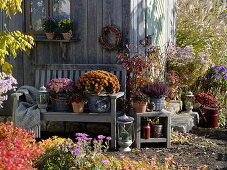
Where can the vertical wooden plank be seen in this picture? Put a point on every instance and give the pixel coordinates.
(76, 75)
(48, 78)
(37, 78)
(125, 20)
(112, 15)
(92, 32)
(71, 75)
(59, 73)
(81, 14)
(54, 74)
(99, 26)
(140, 17)
(65, 73)
(43, 78)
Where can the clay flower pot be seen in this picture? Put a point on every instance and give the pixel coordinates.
(140, 107)
(50, 35)
(78, 107)
(67, 36)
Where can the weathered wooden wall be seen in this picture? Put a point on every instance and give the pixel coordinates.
(132, 17)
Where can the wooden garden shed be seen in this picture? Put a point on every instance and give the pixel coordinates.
(135, 19)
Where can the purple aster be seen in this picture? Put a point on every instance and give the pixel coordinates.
(106, 162)
(108, 138)
(216, 75)
(101, 137)
(76, 152)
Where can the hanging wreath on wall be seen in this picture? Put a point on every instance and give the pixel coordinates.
(103, 37)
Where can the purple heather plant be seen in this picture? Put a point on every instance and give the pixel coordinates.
(7, 83)
(155, 90)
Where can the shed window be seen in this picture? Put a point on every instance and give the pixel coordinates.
(36, 10)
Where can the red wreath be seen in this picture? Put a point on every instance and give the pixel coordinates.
(103, 37)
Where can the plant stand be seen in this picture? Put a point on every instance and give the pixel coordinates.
(165, 120)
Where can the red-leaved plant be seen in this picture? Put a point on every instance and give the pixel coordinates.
(18, 148)
(206, 100)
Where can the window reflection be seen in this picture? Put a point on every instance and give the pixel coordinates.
(61, 9)
(37, 13)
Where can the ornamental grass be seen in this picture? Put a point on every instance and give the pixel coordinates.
(98, 81)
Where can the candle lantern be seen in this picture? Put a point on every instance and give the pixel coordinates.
(189, 100)
(125, 127)
(42, 99)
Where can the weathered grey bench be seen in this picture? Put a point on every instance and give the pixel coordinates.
(44, 73)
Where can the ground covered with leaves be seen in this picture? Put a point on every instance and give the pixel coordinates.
(202, 146)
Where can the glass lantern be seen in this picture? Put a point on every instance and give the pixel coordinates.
(125, 129)
(189, 100)
(42, 99)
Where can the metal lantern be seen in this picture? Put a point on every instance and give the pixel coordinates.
(125, 128)
(42, 99)
(189, 99)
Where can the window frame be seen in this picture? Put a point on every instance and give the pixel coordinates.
(48, 11)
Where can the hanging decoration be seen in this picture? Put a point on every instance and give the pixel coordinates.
(103, 37)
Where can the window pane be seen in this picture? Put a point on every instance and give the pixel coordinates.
(61, 9)
(37, 14)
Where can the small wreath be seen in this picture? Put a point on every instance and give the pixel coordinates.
(103, 37)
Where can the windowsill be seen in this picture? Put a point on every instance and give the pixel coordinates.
(44, 39)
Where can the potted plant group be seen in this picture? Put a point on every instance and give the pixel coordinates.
(60, 89)
(140, 101)
(156, 91)
(209, 109)
(49, 26)
(98, 84)
(78, 99)
(66, 27)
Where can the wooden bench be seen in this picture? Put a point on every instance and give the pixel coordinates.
(44, 73)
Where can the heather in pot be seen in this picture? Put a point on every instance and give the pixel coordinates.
(155, 90)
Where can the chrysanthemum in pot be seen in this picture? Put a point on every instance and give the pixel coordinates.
(156, 91)
(98, 84)
(60, 89)
(66, 27)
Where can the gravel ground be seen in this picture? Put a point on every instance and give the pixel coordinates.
(204, 147)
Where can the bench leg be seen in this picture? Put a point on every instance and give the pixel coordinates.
(113, 135)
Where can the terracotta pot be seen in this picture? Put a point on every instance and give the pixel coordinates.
(139, 107)
(50, 35)
(78, 107)
(67, 36)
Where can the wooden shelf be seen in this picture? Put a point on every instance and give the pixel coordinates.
(43, 39)
(142, 140)
(165, 120)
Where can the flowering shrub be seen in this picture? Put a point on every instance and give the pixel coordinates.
(206, 100)
(60, 85)
(7, 83)
(66, 25)
(155, 90)
(216, 79)
(189, 64)
(98, 81)
(18, 148)
(50, 24)
(86, 153)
